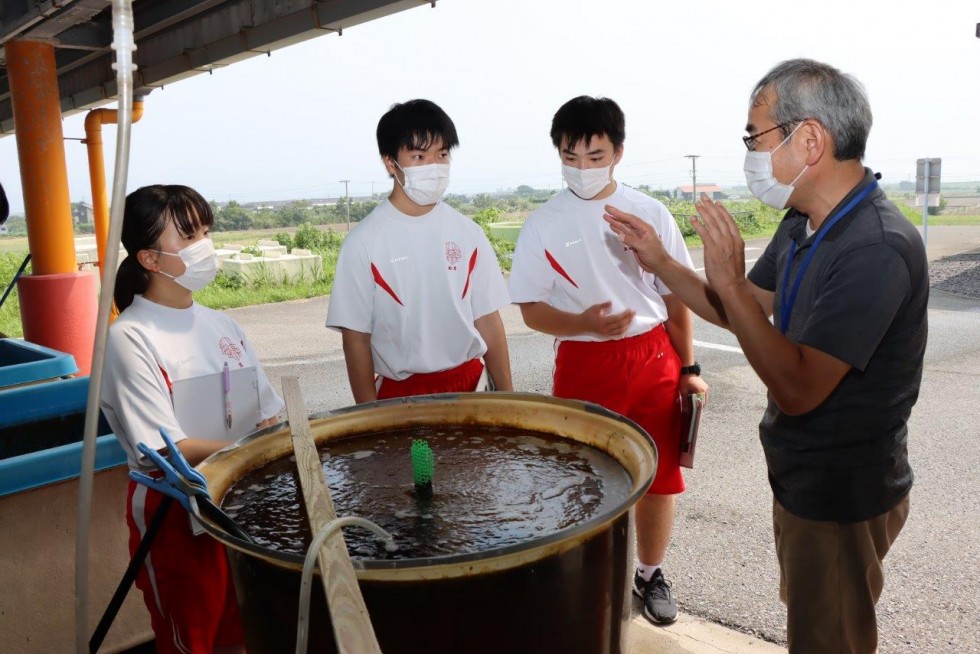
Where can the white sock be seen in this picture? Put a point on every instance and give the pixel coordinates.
(646, 571)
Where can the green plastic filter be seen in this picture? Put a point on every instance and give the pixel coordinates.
(423, 463)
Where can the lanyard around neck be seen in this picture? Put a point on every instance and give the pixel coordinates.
(789, 298)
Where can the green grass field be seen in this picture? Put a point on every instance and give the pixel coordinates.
(224, 293)
(13, 244)
(944, 221)
(10, 311)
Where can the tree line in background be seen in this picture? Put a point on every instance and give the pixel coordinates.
(234, 216)
(514, 205)
(751, 215)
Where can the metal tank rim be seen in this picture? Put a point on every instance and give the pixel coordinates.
(620, 438)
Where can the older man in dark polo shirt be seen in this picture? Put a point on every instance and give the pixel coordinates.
(846, 284)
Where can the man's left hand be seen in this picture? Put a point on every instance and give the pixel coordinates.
(724, 249)
(640, 237)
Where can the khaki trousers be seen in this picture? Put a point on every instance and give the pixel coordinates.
(830, 578)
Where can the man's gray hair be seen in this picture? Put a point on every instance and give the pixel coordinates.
(809, 89)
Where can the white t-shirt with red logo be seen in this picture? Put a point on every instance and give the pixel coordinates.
(417, 284)
(569, 257)
(149, 348)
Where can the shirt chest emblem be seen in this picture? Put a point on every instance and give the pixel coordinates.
(453, 254)
(231, 349)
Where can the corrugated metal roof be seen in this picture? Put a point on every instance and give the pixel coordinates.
(174, 38)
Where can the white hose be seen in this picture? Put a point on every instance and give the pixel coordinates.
(124, 46)
(303, 623)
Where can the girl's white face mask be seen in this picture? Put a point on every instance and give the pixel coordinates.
(586, 182)
(761, 180)
(424, 185)
(200, 261)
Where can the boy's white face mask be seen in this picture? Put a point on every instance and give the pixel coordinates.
(586, 182)
(424, 185)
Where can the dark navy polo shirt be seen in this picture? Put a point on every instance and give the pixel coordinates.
(862, 300)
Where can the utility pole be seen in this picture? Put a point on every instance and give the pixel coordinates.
(345, 182)
(694, 175)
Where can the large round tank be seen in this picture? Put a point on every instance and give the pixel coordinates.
(566, 591)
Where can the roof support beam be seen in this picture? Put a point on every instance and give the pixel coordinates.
(180, 38)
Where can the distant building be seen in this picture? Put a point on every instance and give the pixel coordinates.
(81, 213)
(687, 192)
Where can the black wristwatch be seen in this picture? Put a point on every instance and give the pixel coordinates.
(692, 369)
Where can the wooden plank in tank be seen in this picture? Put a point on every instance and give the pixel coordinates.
(351, 622)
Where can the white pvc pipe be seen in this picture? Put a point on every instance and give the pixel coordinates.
(306, 582)
(124, 45)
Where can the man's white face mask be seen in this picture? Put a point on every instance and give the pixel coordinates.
(424, 185)
(761, 180)
(586, 182)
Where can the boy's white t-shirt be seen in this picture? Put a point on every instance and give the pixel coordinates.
(417, 284)
(569, 257)
(149, 348)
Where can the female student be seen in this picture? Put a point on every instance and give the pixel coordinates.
(161, 338)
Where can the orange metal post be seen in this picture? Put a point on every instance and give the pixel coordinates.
(96, 168)
(57, 302)
(41, 150)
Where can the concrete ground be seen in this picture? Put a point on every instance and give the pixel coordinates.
(693, 635)
(721, 560)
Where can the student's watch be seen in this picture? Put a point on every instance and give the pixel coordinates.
(694, 369)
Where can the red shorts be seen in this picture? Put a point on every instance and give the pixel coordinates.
(186, 582)
(461, 379)
(636, 377)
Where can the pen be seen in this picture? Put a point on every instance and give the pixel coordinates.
(226, 385)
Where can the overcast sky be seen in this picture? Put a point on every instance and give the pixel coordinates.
(292, 125)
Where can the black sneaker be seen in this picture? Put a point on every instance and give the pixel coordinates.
(659, 605)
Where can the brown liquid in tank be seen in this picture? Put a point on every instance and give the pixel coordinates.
(492, 487)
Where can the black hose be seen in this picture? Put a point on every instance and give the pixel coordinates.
(130, 576)
(13, 281)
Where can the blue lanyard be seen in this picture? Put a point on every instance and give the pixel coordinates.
(787, 301)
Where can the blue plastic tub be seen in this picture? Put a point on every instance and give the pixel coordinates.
(41, 431)
(56, 464)
(25, 363)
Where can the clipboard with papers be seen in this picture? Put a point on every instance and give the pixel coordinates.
(691, 408)
(200, 404)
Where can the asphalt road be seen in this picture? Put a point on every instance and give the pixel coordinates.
(722, 561)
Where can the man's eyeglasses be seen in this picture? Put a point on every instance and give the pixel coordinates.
(752, 140)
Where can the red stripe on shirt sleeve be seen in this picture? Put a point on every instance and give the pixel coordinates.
(559, 269)
(166, 378)
(469, 272)
(380, 281)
